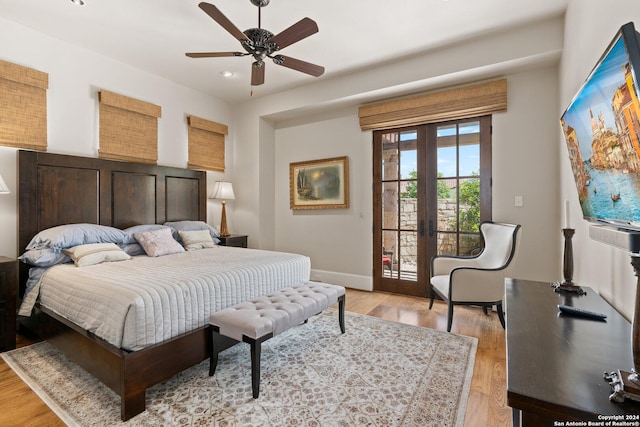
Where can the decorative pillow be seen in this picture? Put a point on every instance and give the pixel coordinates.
(158, 242)
(133, 249)
(96, 253)
(194, 225)
(67, 236)
(196, 239)
(45, 257)
(131, 231)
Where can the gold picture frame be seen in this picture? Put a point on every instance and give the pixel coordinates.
(319, 184)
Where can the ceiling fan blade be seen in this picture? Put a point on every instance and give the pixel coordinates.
(298, 31)
(298, 65)
(224, 22)
(257, 74)
(212, 54)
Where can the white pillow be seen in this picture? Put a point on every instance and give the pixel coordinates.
(196, 239)
(158, 242)
(96, 253)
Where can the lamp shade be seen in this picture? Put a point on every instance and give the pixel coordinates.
(4, 188)
(222, 190)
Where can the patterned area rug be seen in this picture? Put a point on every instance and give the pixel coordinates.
(379, 373)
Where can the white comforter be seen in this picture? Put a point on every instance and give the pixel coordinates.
(143, 301)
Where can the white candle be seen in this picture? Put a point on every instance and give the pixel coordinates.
(567, 224)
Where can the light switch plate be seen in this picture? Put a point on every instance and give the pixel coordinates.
(519, 202)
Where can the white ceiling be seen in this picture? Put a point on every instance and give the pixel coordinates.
(153, 35)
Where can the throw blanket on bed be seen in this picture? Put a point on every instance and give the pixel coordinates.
(143, 301)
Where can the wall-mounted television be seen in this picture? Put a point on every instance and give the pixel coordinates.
(602, 131)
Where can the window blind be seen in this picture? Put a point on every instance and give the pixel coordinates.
(23, 107)
(452, 104)
(206, 144)
(128, 128)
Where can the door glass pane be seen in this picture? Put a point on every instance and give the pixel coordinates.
(390, 211)
(408, 255)
(469, 149)
(447, 151)
(408, 155)
(447, 204)
(390, 165)
(470, 244)
(469, 196)
(389, 257)
(447, 243)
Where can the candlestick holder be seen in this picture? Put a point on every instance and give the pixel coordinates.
(567, 263)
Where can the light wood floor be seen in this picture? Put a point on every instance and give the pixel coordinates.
(487, 401)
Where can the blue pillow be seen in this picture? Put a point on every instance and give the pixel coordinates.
(133, 249)
(45, 257)
(193, 226)
(67, 236)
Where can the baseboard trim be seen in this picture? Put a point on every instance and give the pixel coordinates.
(353, 281)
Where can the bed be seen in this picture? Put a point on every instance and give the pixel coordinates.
(59, 189)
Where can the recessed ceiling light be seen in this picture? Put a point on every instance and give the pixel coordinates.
(78, 2)
(227, 74)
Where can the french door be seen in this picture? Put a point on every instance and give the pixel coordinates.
(432, 188)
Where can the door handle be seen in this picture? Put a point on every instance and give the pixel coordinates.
(422, 228)
(431, 229)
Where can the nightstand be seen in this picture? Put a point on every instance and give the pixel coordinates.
(8, 295)
(238, 240)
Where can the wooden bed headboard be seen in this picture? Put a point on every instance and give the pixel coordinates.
(56, 189)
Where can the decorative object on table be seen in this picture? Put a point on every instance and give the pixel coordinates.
(262, 44)
(223, 190)
(567, 260)
(4, 188)
(625, 384)
(319, 184)
(307, 379)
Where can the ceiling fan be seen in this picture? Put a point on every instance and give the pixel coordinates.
(262, 44)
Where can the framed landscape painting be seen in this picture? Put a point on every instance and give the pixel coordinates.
(319, 184)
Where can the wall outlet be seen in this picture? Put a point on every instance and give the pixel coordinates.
(519, 201)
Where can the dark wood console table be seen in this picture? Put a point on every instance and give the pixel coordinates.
(555, 363)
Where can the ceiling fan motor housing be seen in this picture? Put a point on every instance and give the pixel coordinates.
(258, 45)
(260, 3)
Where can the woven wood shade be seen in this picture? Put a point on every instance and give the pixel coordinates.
(128, 128)
(453, 104)
(206, 144)
(23, 107)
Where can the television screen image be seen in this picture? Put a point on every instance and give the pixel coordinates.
(602, 133)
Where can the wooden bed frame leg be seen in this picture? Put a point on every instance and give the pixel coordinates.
(132, 405)
(213, 359)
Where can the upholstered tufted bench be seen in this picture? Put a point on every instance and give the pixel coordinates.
(258, 320)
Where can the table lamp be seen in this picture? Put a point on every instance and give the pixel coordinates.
(223, 190)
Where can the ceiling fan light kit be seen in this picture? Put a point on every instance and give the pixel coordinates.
(262, 44)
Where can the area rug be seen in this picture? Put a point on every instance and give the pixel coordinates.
(379, 373)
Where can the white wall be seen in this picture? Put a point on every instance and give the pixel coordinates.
(75, 76)
(589, 27)
(525, 163)
(339, 241)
